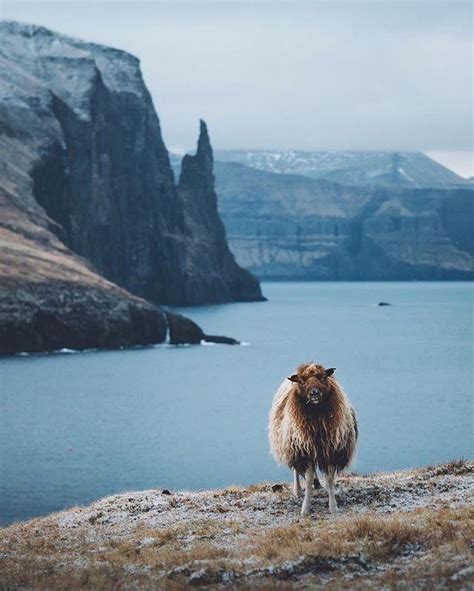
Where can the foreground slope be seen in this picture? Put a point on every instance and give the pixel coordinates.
(79, 136)
(410, 529)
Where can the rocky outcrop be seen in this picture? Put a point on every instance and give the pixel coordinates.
(212, 273)
(87, 198)
(51, 317)
(81, 139)
(183, 331)
(291, 227)
(51, 299)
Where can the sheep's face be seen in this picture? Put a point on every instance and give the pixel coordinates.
(313, 384)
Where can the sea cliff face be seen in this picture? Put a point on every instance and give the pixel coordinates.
(284, 226)
(88, 203)
(52, 299)
(81, 139)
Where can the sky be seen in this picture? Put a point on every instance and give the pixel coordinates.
(309, 75)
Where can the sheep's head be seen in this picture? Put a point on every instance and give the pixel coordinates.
(313, 382)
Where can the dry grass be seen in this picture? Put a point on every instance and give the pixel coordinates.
(145, 553)
(378, 537)
(454, 468)
(252, 538)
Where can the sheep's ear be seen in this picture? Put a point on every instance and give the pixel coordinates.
(330, 371)
(294, 378)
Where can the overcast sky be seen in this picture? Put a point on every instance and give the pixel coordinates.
(383, 75)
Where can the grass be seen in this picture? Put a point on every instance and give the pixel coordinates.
(378, 537)
(252, 538)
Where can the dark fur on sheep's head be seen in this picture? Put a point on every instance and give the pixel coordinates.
(314, 383)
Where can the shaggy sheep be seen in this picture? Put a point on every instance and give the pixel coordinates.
(312, 424)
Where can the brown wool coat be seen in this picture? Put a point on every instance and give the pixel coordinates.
(300, 433)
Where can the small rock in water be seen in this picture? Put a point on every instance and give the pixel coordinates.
(277, 488)
(209, 338)
(384, 304)
(165, 491)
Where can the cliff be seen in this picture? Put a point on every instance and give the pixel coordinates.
(283, 226)
(52, 299)
(88, 203)
(402, 530)
(81, 139)
(212, 272)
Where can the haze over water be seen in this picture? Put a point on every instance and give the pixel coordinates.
(77, 427)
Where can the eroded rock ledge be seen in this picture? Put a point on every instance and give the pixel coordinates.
(46, 317)
(408, 529)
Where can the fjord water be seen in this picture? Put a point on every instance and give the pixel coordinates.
(75, 427)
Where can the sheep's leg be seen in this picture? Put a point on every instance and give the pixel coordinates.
(308, 482)
(330, 482)
(296, 484)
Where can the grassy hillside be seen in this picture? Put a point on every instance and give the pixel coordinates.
(410, 529)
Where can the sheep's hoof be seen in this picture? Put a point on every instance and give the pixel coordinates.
(305, 511)
(333, 509)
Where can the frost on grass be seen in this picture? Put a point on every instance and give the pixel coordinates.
(410, 529)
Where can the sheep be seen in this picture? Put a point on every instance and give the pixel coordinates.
(312, 424)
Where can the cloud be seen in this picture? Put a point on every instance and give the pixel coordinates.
(308, 75)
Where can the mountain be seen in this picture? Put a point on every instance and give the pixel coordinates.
(283, 226)
(88, 203)
(390, 169)
(81, 138)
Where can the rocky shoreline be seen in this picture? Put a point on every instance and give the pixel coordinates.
(409, 529)
(51, 318)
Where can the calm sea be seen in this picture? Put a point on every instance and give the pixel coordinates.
(75, 427)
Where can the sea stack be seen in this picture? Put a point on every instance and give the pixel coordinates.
(213, 274)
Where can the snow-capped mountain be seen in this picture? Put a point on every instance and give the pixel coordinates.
(403, 169)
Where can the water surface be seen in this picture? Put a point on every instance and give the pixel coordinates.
(75, 427)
